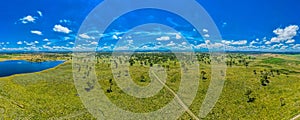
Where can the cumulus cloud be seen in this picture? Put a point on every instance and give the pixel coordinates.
(201, 46)
(207, 35)
(290, 41)
(46, 40)
(171, 44)
(178, 36)
(207, 42)
(297, 46)
(286, 34)
(226, 42)
(27, 19)
(85, 36)
(205, 30)
(276, 46)
(240, 42)
(163, 38)
(284, 47)
(253, 42)
(115, 37)
(36, 32)
(62, 29)
(130, 42)
(19, 42)
(29, 43)
(215, 45)
(94, 43)
(268, 43)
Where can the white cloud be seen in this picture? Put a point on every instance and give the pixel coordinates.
(265, 39)
(277, 46)
(205, 30)
(241, 42)
(171, 44)
(46, 40)
(286, 34)
(64, 21)
(85, 36)
(62, 29)
(47, 47)
(226, 42)
(215, 45)
(284, 47)
(178, 36)
(201, 46)
(130, 42)
(94, 43)
(224, 24)
(29, 43)
(163, 38)
(115, 37)
(36, 42)
(27, 19)
(297, 46)
(268, 43)
(20, 43)
(36, 32)
(290, 41)
(207, 42)
(67, 38)
(40, 13)
(207, 35)
(253, 42)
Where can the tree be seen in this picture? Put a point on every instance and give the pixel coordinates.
(282, 103)
(246, 64)
(277, 71)
(203, 73)
(109, 90)
(254, 71)
(248, 94)
(151, 64)
(168, 67)
(131, 62)
(264, 80)
(143, 78)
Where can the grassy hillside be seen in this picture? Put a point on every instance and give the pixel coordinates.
(256, 87)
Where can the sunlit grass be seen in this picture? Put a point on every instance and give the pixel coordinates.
(51, 94)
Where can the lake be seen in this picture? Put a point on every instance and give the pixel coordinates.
(12, 67)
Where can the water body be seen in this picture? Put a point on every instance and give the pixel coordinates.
(12, 67)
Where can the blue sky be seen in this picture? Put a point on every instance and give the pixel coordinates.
(52, 25)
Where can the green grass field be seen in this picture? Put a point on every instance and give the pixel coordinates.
(256, 87)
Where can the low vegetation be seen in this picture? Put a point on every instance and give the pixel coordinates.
(256, 87)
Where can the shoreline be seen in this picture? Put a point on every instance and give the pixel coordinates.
(20, 74)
